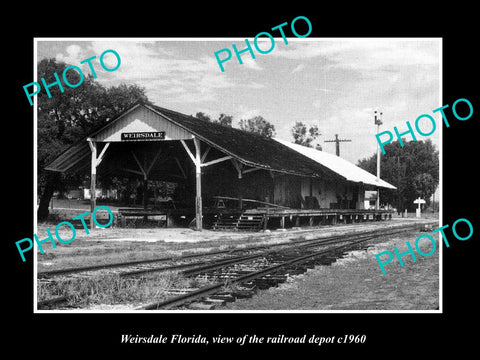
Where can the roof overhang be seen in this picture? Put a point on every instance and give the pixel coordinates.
(340, 166)
(249, 149)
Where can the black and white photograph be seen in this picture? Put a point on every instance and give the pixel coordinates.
(272, 183)
(255, 187)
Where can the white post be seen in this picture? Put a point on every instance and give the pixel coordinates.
(198, 180)
(93, 175)
(419, 209)
(378, 122)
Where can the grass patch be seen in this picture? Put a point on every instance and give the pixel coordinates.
(230, 286)
(113, 289)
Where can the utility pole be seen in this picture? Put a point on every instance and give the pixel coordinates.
(378, 122)
(337, 145)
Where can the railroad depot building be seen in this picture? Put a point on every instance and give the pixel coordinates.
(225, 177)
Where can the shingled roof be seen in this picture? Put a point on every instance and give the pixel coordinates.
(248, 148)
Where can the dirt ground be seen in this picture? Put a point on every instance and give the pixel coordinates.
(357, 283)
(104, 245)
(352, 283)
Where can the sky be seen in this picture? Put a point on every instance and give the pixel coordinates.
(334, 83)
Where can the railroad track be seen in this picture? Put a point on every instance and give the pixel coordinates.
(245, 269)
(275, 269)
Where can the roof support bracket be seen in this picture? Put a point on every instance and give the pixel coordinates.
(205, 154)
(225, 158)
(250, 170)
(180, 167)
(102, 153)
(238, 166)
(143, 168)
(188, 151)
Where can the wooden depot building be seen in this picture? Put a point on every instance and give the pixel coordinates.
(228, 178)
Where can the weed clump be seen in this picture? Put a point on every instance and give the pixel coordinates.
(112, 289)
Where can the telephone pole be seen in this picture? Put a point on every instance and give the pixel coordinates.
(378, 122)
(337, 145)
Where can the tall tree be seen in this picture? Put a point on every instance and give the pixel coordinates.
(203, 116)
(303, 136)
(258, 125)
(225, 120)
(424, 185)
(413, 169)
(68, 116)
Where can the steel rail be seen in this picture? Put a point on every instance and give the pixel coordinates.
(211, 289)
(238, 259)
(50, 273)
(361, 236)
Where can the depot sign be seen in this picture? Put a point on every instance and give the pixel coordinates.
(143, 136)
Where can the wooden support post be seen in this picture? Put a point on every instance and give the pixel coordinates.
(145, 170)
(297, 221)
(310, 221)
(197, 161)
(198, 182)
(93, 179)
(282, 222)
(145, 197)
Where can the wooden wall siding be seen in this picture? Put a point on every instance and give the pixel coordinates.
(324, 191)
(142, 119)
(361, 197)
(328, 192)
(287, 191)
(222, 180)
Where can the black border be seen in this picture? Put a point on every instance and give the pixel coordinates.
(387, 334)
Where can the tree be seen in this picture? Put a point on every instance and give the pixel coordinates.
(258, 125)
(304, 137)
(203, 116)
(225, 120)
(424, 184)
(413, 169)
(66, 117)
